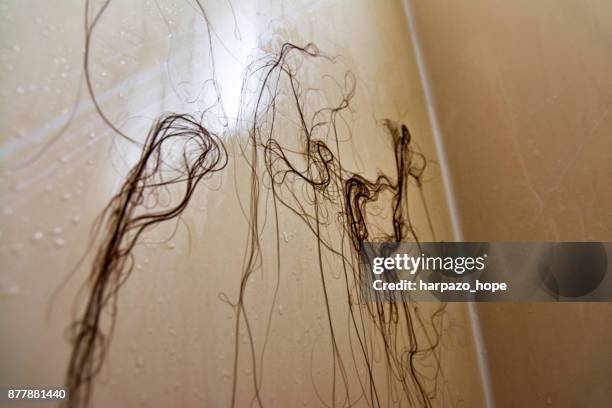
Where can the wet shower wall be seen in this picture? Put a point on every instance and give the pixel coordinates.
(173, 343)
(522, 94)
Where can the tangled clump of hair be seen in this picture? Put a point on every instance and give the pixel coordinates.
(178, 151)
(303, 170)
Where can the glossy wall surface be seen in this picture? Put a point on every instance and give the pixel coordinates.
(173, 342)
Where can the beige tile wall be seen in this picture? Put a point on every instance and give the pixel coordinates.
(523, 94)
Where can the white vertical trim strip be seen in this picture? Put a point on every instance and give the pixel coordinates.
(452, 203)
(481, 354)
(435, 128)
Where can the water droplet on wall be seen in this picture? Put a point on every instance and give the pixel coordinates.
(9, 290)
